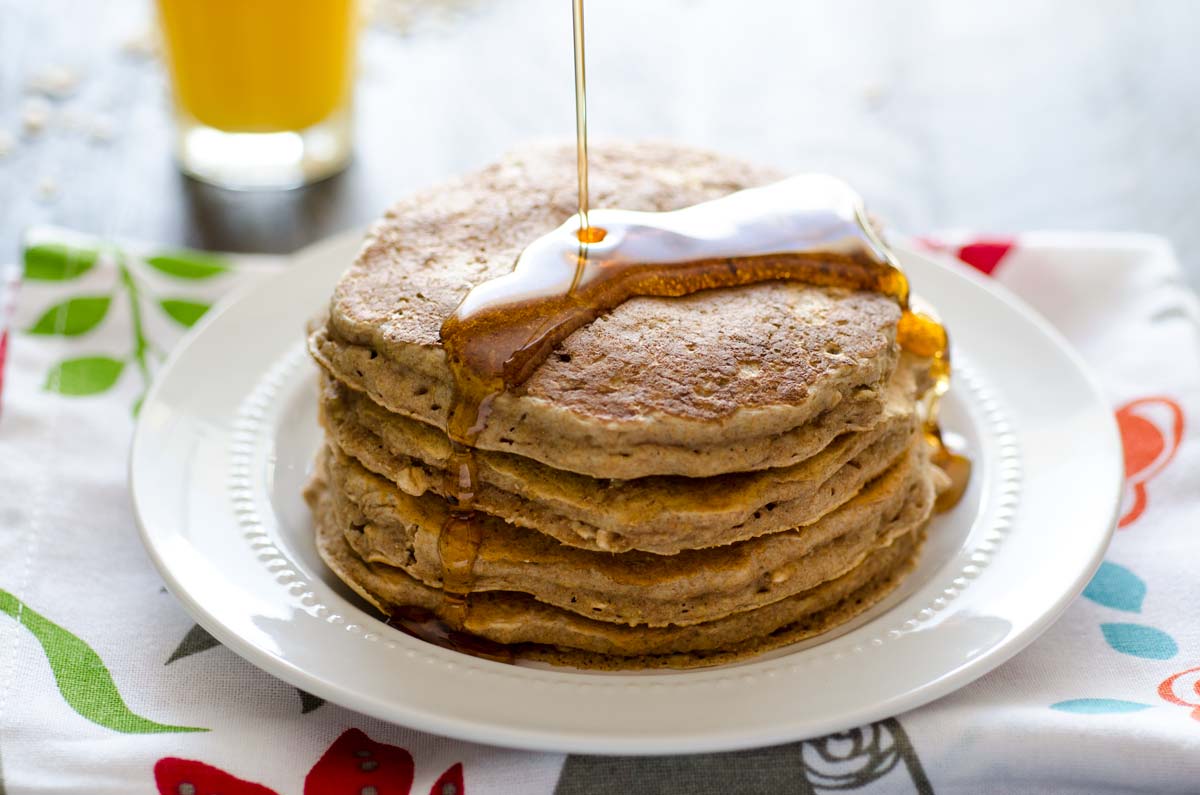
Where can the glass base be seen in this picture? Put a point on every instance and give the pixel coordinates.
(263, 161)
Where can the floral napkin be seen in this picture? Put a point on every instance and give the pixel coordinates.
(108, 686)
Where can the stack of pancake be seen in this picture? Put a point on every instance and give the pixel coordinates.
(685, 481)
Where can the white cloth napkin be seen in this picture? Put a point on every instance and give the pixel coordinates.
(107, 686)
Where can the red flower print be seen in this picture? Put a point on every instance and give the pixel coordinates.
(1181, 687)
(189, 777)
(984, 253)
(1151, 430)
(450, 783)
(356, 764)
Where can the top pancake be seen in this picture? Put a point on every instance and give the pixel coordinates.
(723, 380)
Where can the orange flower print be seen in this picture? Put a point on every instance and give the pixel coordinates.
(1183, 689)
(1151, 429)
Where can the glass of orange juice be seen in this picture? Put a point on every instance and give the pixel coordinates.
(262, 88)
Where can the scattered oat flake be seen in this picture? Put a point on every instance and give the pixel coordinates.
(47, 189)
(403, 16)
(96, 126)
(8, 142)
(143, 45)
(56, 82)
(875, 94)
(35, 115)
(100, 128)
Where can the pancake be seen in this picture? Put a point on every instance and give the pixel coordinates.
(661, 514)
(682, 482)
(722, 380)
(390, 527)
(539, 631)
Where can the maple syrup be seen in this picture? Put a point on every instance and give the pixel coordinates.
(423, 624)
(581, 149)
(461, 534)
(808, 229)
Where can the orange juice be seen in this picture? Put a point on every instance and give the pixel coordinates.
(260, 66)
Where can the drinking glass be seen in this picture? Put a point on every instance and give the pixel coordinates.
(262, 88)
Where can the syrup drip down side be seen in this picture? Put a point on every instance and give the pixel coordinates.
(807, 229)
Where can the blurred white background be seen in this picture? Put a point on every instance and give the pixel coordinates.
(999, 117)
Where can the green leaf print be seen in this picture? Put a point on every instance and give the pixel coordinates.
(86, 375)
(187, 264)
(55, 262)
(81, 675)
(76, 316)
(186, 313)
(73, 317)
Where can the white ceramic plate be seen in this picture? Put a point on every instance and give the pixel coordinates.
(227, 435)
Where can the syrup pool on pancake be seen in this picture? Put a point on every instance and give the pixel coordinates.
(811, 229)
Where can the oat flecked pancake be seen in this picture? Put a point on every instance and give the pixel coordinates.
(683, 482)
(662, 514)
(634, 587)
